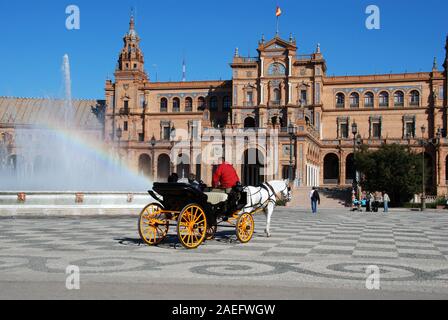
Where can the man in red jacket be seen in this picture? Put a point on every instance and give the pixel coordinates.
(225, 177)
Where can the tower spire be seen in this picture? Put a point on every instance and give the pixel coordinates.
(132, 23)
(131, 57)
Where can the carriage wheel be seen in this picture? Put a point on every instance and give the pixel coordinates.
(153, 225)
(245, 228)
(192, 226)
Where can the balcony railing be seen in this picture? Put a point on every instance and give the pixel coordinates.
(275, 103)
(246, 59)
(248, 104)
(124, 111)
(250, 59)
(304, 57)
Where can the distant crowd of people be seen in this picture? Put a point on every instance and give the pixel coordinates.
(369, 200)
(372, 202)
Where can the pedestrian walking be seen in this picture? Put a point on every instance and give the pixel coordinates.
(315, 200)
(372, 201)
(386, 201)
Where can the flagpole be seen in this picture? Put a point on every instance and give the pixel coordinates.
(277, 26)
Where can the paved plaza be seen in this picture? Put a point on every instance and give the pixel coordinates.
(308, 257)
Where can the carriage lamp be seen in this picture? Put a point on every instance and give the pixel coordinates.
(292, 130)
(355, 128)
(153, 141)
(359, 140)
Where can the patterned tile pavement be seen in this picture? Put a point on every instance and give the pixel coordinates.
(331, 249)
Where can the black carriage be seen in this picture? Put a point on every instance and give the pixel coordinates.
(197, 214)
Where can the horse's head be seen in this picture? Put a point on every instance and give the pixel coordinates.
(283, 189)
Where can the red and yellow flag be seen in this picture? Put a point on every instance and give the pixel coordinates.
(278, 12)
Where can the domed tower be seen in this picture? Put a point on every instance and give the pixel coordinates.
(131, 61)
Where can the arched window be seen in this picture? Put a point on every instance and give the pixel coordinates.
(201, 103)
(164, 105)
(145, 165)
(415, 98)
(354, 100)
(213, 103)
(399, 99)
(176, 105)
(340, 100)
(227, 103)
(277, 69)
(188, 105)
(368, 100)
(384, 99)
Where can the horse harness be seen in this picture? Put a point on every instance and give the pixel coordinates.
(266, 186)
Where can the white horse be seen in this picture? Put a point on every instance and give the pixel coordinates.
(265, 198)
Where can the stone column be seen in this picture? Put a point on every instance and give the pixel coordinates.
(289, 66)
(342, 174)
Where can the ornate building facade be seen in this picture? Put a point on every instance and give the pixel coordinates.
(279, 110)
(266, 95)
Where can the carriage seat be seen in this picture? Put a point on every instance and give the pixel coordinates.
(216, 197)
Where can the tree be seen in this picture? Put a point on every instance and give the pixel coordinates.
(392, 168)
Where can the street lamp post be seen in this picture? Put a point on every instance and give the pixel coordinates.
(423, 128)
(153, 145)
(355, 133)
(292, 130)
(173, 142)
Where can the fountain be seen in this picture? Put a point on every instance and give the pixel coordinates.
(54, 160)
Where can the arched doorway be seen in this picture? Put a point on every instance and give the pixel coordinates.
(350, 169)
(183, 166)
(252, 170)
(145, 165)
(249, 123)
(163, 168)
(331, 169)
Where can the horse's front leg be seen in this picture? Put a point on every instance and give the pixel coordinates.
(268, 211)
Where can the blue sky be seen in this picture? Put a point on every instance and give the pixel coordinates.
(34, 38)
